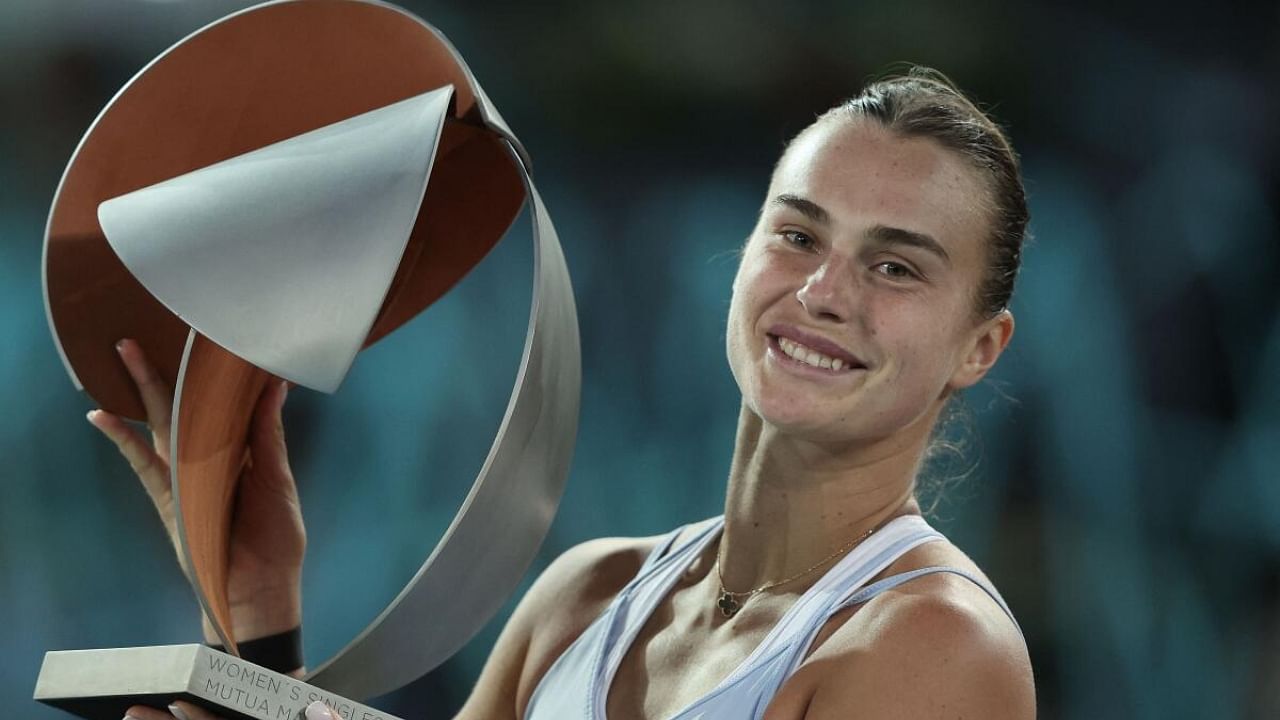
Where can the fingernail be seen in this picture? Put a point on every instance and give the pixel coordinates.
(119, 345)
(177, 712)
(319, 711)
(89, 415)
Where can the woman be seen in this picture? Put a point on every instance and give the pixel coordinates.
(873, 288)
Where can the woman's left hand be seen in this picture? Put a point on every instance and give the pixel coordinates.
(183, 710)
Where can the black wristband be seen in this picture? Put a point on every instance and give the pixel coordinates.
(281, 652)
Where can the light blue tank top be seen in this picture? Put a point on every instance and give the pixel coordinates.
(577, 684)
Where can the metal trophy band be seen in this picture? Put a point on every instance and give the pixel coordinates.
(277, 191)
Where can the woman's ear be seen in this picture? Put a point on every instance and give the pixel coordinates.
(989, 340)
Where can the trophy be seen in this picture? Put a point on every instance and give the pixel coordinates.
(278, 190)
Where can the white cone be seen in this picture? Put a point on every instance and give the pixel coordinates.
(283, 255)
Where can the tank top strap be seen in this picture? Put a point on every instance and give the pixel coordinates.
(861, 593)
(661, 549)
(808, 614)
(894, 581)
(666, 551)
(576, 684)
(633, 605)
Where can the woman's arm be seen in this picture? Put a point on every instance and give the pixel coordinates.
(938, 651)
(268, 541)
(562, 602)
(267, 538)
(565, 599)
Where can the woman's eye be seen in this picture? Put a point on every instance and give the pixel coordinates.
(895, 270)
(799, 239)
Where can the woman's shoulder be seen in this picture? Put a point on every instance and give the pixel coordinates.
(937, 645)
(575, 589)
(943, 607)
(560, 605)
(590, 574)
(595, 570)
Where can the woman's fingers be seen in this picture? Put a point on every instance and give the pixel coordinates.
(184, 710)
(149, 466)
(157, 396)
(142, 712)
(319, 711)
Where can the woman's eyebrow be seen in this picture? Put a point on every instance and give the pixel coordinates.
(808, 208)
(887, 235)
(882, 234)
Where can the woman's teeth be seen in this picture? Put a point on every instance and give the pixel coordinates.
(809, 356)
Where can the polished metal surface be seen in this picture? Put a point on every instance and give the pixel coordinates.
(495, 534)
(483, 555)
(253, 79)
(283, 255)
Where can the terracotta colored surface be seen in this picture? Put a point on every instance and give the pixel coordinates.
(210, 423)
(247, 82)
(464, 184)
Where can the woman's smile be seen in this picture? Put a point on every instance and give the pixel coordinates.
(810, 355)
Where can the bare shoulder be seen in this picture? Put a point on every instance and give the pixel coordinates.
(936, 646)
(578, 585)
(569, 594)
(573, 591)
(565, 599)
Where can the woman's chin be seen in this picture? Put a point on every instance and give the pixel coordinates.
(805, 422)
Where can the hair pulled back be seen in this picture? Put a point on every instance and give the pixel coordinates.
(923, 103)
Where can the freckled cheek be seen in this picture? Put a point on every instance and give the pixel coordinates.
(905, 352)
(746, 307)
(922, 368)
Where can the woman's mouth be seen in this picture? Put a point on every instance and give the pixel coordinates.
(805, 355)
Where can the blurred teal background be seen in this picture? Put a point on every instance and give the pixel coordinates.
(1126, 496)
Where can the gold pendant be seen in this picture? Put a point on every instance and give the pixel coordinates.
(728, 606)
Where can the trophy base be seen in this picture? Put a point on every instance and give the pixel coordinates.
(102, 684)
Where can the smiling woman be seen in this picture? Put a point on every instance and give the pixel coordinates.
(870, 248)
(873, 288)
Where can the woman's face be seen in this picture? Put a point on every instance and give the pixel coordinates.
(853, 309)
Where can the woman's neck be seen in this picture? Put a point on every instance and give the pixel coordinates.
(791, 503)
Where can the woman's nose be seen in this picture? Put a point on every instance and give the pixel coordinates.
(828, 292)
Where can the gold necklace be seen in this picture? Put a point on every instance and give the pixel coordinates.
(729, 604)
